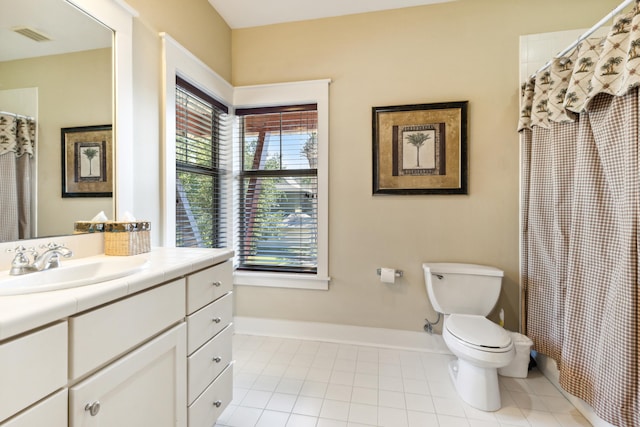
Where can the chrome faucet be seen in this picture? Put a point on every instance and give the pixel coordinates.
(50, 258)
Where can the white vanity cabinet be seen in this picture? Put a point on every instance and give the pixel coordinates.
(209, 333)
(158, 357)
(145, 387)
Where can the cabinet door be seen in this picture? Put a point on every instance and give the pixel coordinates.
(147, 387)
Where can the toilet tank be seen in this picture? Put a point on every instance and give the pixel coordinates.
(462, 288)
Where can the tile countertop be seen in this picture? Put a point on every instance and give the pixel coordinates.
(21, 313)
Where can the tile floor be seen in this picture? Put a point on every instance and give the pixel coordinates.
(296, 383)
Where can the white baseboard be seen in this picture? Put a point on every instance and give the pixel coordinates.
(343, 334)
(549, 368)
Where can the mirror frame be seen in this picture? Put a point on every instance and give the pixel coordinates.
(118, 16)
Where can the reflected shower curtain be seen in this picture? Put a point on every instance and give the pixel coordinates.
(17, 143)
(579, 128)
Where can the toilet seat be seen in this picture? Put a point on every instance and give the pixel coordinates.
(479, 333)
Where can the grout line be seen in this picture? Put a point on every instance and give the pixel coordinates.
(522, 406)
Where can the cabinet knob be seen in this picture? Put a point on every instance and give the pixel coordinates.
(217, 403)
(217, 283)
(93, 408)
(217, 319)
(217, 359)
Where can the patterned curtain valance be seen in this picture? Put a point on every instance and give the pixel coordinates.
(17, 135)
(603, 65)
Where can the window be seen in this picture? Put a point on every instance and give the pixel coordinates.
(281, 185)
(278, 187)
(201, 167)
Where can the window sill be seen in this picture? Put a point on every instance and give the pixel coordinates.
(280, 280)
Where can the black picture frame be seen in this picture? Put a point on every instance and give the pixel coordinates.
(87, 166)
(400, 132)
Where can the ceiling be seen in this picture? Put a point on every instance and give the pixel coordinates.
(254, 13)
(70, 29)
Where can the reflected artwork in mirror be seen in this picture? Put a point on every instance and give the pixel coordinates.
(56, 67)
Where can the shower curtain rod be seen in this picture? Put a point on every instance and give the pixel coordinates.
(587, 33)
(22, 116)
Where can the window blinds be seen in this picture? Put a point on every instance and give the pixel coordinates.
(277, 189)
(202, 167)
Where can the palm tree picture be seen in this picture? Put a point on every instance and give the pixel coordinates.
(90, 154)
(87, 161)
(417, 139)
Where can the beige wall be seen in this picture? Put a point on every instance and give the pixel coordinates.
(464, 50)
(200, 29)
(73, 90)
(192, 23)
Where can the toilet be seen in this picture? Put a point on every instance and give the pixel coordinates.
(466, 294)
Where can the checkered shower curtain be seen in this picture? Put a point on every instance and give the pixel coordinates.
(579, 129)
(17, 146)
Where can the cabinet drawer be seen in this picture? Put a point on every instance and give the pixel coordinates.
(206, 364)
(209, 406)
(51, 412)
(208, 285)
(31, 367)
(204, 324)
(103, 334)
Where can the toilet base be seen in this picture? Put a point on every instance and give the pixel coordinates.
(476, 386)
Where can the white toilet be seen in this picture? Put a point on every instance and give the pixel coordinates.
(465, 294)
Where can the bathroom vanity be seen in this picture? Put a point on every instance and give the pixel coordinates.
(149, 349)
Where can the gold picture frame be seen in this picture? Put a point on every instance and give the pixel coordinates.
(420, 148)
(87, 166)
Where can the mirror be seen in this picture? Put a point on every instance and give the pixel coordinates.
(66, 82)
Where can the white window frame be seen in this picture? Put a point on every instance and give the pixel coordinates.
(179, 61)
(303, 92)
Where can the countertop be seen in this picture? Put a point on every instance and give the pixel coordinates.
(22, 313)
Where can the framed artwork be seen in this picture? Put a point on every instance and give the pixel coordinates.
(87, 167)
(420, 149)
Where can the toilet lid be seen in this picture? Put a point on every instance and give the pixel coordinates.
(478, 331)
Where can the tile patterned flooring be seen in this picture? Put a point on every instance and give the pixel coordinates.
(281, 382)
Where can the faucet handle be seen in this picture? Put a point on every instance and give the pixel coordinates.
(52, 245)
(21, 263)
(20, 250)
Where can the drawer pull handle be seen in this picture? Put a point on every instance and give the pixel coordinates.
(93, 408)
(217, 403)
(217, 359)
(217, 319)
(217, 284)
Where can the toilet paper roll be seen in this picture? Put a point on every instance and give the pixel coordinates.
(387, 275)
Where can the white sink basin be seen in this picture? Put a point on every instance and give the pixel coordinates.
(72, 273)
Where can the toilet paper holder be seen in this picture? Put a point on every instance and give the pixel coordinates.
(398, 273)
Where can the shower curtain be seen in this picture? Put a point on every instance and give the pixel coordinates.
(17, 147)
(579, 132)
